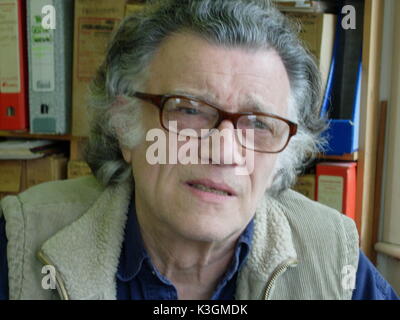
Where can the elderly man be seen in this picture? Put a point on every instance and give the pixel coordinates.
(224, 225)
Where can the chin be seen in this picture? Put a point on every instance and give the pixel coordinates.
(209, 231)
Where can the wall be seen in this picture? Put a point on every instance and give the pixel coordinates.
(390, 90)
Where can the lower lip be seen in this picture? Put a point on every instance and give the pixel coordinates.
(209, 196)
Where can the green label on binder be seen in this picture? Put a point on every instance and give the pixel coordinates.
(42, 49)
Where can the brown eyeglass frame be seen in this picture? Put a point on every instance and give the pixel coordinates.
(159, 101)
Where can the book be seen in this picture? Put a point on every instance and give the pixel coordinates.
(336, 186)
(306, 185)
(50, 67)
(78, 169)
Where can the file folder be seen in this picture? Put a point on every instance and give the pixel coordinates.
(13, 66)
(50, 66)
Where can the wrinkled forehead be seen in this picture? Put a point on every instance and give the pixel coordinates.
(237, 79)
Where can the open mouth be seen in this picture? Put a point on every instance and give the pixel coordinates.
(207, 187)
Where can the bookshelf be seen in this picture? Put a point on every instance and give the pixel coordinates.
(345, 157)
(27, 135)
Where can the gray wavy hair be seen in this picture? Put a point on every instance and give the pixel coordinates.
(251, 24)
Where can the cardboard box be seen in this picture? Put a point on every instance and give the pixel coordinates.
(78, 169)
(336, 186)
(46, 169)
(12, 176)
(306, 185)
(95, 20)
(18, 175)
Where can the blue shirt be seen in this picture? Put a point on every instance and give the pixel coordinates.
(138, 279)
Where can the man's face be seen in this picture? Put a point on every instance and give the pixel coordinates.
(177, 197)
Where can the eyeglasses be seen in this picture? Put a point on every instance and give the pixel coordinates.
(270, 133)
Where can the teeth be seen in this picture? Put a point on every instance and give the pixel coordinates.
(209, 189)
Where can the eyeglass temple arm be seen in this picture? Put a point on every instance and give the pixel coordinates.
(293, 129)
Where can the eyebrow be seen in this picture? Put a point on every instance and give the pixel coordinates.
(198, 94)
(250, 104)
(254, 104)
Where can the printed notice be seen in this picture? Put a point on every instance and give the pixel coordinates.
(330, 191)
(42, 49)
(94, 34)
(9, 53)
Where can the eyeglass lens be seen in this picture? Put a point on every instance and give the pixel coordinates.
(256, 132)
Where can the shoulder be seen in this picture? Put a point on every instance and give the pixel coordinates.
(302, 210)
(82, 189)
(34, 216)
(325, 243)
(57, 202)
(56, 193)
(370, 284)
(321, 234)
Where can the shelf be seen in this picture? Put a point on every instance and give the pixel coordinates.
(27, 135)
(345, 157)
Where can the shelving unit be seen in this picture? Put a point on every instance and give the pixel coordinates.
(345, 157)
(369, 115)
(27, 135)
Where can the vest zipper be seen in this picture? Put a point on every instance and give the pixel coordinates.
(62, 292)
(275, 275)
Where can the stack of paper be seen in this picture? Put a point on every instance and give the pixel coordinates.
(307, 5)
(26, 149)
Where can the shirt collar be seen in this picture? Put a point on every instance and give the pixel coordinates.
(133, 252)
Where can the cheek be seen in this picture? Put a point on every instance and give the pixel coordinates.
(264, 172)
(143, 172)
(151, 177)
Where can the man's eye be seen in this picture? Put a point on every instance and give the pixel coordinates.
(186, 110)
(261, 125)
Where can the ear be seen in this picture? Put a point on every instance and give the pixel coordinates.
(126, 153)
(119, 101)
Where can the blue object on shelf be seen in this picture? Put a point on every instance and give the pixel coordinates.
(342, 134)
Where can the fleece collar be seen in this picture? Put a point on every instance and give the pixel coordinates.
(272, 247)
(86, 253)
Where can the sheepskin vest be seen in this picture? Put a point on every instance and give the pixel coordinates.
(300, 250)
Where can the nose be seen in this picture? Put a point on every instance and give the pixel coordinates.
(223, 147)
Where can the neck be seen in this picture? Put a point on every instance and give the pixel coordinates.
(194, 267)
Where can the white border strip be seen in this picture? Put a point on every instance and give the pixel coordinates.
(390, 249)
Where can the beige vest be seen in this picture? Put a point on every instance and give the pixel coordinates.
(301, 249)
